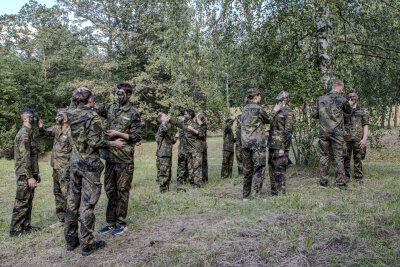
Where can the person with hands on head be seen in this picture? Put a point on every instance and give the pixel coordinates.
(27, 174)
(123, 121)
(85, 168)
(254, 119)
(356, 127)
(59, 160)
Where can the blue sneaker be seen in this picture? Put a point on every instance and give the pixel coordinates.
(105, 229)
(119, 229)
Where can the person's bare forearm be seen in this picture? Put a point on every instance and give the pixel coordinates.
(365, 132)
(123, 136)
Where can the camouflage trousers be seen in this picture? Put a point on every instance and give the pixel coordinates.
(164, 172)
(277, 171)
(205, 165)
(117, 184)
(254, 161)
(239, 158)
(182, 175)
(195, 170)
(337, 144)
(83, 193)
(227, 164)
(60, 190)
(353, 149)
(22, 211)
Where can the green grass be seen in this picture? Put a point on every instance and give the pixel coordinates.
(212, 226)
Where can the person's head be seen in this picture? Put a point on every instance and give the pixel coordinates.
(283, 96)
(123, 92)
(161, 117)
(254, 95)
(229, 122)
(61, 116)
(200, 118)
(83, 97)
(352, 96)
(338, 86)
(189, 114)
(28, 117)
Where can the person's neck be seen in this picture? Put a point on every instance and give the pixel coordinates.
(64, 125)
(355, 105)
(27, 124)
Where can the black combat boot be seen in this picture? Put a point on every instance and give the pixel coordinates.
(96, 246)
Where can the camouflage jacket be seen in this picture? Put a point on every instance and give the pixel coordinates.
(86, 139)
(354, 123)
(165, 139)
(125, 119)
(238, 137)
(26, 153)
(193, 143)
(330, 109)
(254, 119)
(229, 138)
(61, 145)
(280, 134)
(181, 141)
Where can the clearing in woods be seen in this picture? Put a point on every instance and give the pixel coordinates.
(310, 226)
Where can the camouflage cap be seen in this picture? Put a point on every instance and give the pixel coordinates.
(282, 95)
(253, 91)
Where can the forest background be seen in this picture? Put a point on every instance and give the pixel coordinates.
(201, 54)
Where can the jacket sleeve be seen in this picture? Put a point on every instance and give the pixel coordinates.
(25, 150)
(315, 110)
(347, 107)
(135, 134)
(265, 117)
(365, 117)
(47, 133)
(178, 123)
(103, 110)
(95, 131)
(287, 134)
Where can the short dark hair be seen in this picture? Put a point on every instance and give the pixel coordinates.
(125, 86)
(27, 110)
(190, 112)
(228, 120)
(159, 117)
(81, 95)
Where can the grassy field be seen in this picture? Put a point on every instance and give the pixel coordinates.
(310, 226)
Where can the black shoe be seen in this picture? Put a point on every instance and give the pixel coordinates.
(17, 233)
(96, 246)
(72, 247)
(31, 228)
(323, 184)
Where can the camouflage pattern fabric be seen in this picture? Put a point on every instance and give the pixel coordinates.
(229, 138)
(117, 184)
(182, 175)
(165, 139)
(22, 211)
(354, 124)
(227, 164)
(60, 191)
(353, 149)
(204, 165)
(280, 134)
(254, 161)
(330, 110)
(238, 148)
(25, 153)
(125, 119)
(195, 162)
(277, 171)
(164, 165)
(85, 168)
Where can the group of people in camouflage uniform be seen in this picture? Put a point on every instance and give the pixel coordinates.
(80, 143)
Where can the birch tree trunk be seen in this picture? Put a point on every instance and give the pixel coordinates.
(324, 39)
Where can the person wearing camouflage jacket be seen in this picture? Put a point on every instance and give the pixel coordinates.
(356, 127)
(228, 150)
(329, 109)
(123, 121)
(165, 139)
(182, 176)
(59, 160)
(85, 168)
(254, 118)
(238, 144)
(27, 173)
(279, 139)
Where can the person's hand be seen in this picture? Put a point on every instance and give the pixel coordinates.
(351, 102)
(168, 118)
(190, 128)
(40, 124)
(267, 133)
(138, 143)
(278, 106)
(32, 183)
(111, 133)
(281, 152)
(362, 143)
(119, 143)
(177, 135)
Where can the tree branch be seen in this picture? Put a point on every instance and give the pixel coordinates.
(390, 5)
(370, 45)
(368, 55)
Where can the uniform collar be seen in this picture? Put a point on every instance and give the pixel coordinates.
(125, 107)
(28, 130)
